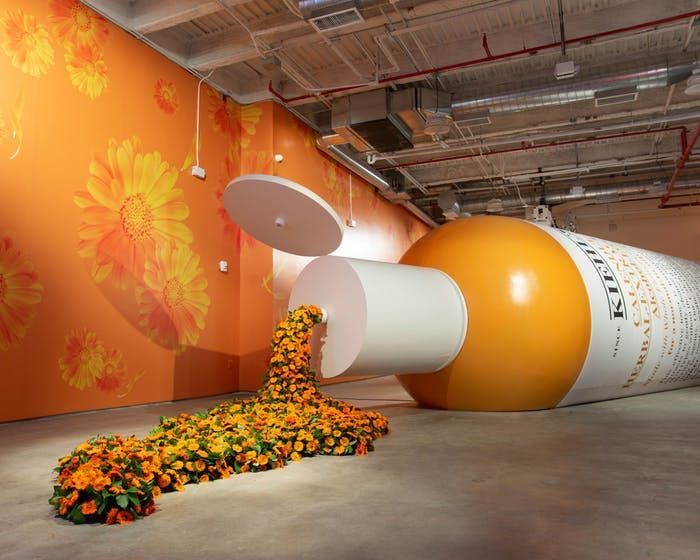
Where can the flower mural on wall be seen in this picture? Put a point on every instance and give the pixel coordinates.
(131, 206)
(77, 24)
(173, 302)
(83, 359)
(232, 168)
(20, 294)
(11, 128)
(86, 68)
(87, 363)
(236, 122)
(26, 42)
(166, 96)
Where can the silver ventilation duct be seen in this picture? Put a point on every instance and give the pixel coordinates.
(570, 92)
(594, 194)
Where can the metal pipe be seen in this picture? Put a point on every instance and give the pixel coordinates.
(496, 141)
(537, 147)
(371, 177)
(681, 163)
(590, 193)
(504, 56)
(572, 92)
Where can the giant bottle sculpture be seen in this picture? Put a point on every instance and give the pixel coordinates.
(499, 314)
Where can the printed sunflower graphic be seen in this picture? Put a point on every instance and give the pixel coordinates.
(83, 359)
(76, 24)
(20, 293)
(233, 168)
(166, 96)
(26, 42)
(86, 68)
(173, 301)
(113, 374)
(131, 206)
(230, 119)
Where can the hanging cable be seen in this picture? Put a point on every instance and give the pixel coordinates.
(196, 136)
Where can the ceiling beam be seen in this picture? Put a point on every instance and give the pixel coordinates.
(148, 16)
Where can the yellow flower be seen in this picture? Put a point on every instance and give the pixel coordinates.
(173, 302)
(20, 293)
(86, 68)
(77, 24)
(83, 359)
(26, 42)
(131, 206)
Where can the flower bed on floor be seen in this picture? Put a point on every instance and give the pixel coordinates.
(111, 479)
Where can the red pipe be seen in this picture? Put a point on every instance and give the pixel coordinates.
(491, 58)
(528, 148)
(681, 164)
(681, 205)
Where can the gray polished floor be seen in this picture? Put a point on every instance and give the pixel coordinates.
(615, 480)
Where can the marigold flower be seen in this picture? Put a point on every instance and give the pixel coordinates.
(88, 508)
(124, 517)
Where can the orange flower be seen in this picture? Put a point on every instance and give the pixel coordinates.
(256, 161)
(173, 302)
(249, 117)
(20, 293)
(77, 24)
(112, 516)
(88, 508)
(131, 206)
(164, 480)
(225, 114)
(231, 169)
(124, 517)
(113, 374)
(233, 120)
(86, 68)
(166, 96)
(83, 359)
(26, 42)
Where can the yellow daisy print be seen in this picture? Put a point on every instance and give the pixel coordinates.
(86, 68)
(173, 301)
(26, 42)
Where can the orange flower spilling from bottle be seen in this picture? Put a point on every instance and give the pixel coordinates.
(111, 479)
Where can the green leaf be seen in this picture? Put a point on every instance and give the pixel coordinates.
(123, 501)
(134, 500)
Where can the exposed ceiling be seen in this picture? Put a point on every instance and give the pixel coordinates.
(448, 104)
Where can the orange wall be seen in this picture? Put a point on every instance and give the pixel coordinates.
(109, 289)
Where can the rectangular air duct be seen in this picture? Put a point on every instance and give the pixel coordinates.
(364, 119)
(388, 121)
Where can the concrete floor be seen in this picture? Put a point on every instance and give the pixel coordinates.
(613, 480)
